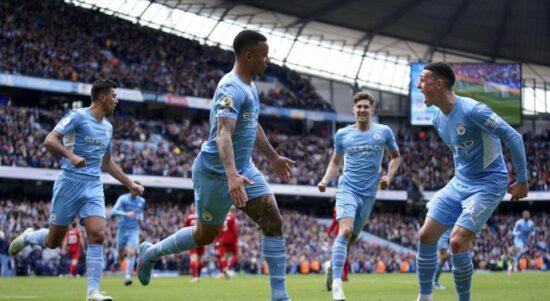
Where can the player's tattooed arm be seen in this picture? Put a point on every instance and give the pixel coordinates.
(235, 182)
(224, 142)
(281, 165)
(263, 144)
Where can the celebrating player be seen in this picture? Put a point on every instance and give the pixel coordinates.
(223, 172)
(474, 134)
(83, 139)
(361, 146)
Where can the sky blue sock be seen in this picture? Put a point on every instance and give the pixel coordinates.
(274, 253)
(339, 253)
(462, 272)
(438, 271)
(37, 237)
(178, 242)
(130, 265)
(94, 266)
(426, 262)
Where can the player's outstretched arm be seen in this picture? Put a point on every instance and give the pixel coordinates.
(114, 170)
(392, 169)
(235, 181)
(491, 123)
(54, 146)
(281, 165)
(332, 170)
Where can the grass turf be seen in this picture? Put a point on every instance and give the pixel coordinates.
(532, 286)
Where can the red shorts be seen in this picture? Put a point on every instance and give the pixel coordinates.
(198, 251)
(74, 254)
(223, 249)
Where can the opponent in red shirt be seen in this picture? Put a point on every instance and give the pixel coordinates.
(194, 254)
(227, 244)
(73, 239)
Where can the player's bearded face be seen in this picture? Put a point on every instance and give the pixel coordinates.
(259, 58)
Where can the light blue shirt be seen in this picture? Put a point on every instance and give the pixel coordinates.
(363, 153)
(85, 137)
(522, 230)
(124, 205)
(236, 100)
(473, 132)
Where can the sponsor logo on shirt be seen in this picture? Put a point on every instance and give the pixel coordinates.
(493, 121)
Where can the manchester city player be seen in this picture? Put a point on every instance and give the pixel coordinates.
(523, 229)
(223, 172)
(83, 139)
(474, 134)
(129, 210)
(361, 147)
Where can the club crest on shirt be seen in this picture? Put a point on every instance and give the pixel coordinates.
(376, 136)
(53, 217)
(207, 216)
(226, 102)
(460, 129)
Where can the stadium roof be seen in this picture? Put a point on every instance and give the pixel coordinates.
(366, 42)
(514, 30)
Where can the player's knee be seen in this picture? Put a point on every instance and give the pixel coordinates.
(96, 236)
(52, 243)
(346, 231)
(459, 244)
(131, 251)
(204, 238)
(426, 237)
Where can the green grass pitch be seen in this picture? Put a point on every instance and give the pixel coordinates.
(531, 286)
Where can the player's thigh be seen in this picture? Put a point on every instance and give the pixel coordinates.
(56, 234)
(363, 212)
(264, 211)
(478, 207)
(212, 198)
(65, 200)
(346, 204)
(121, 239)
(93, 208)
(445, 207)
(260, 186)
(133, 239)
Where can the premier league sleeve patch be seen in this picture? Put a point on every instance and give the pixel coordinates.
(226, 102)
(64, 122)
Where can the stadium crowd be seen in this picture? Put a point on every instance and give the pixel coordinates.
(134, 56)
(308, 244)
(168, 148)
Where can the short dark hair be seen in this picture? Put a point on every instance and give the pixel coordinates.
(443, 71)
(101, 86)
(245, 39)
(363, 95)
